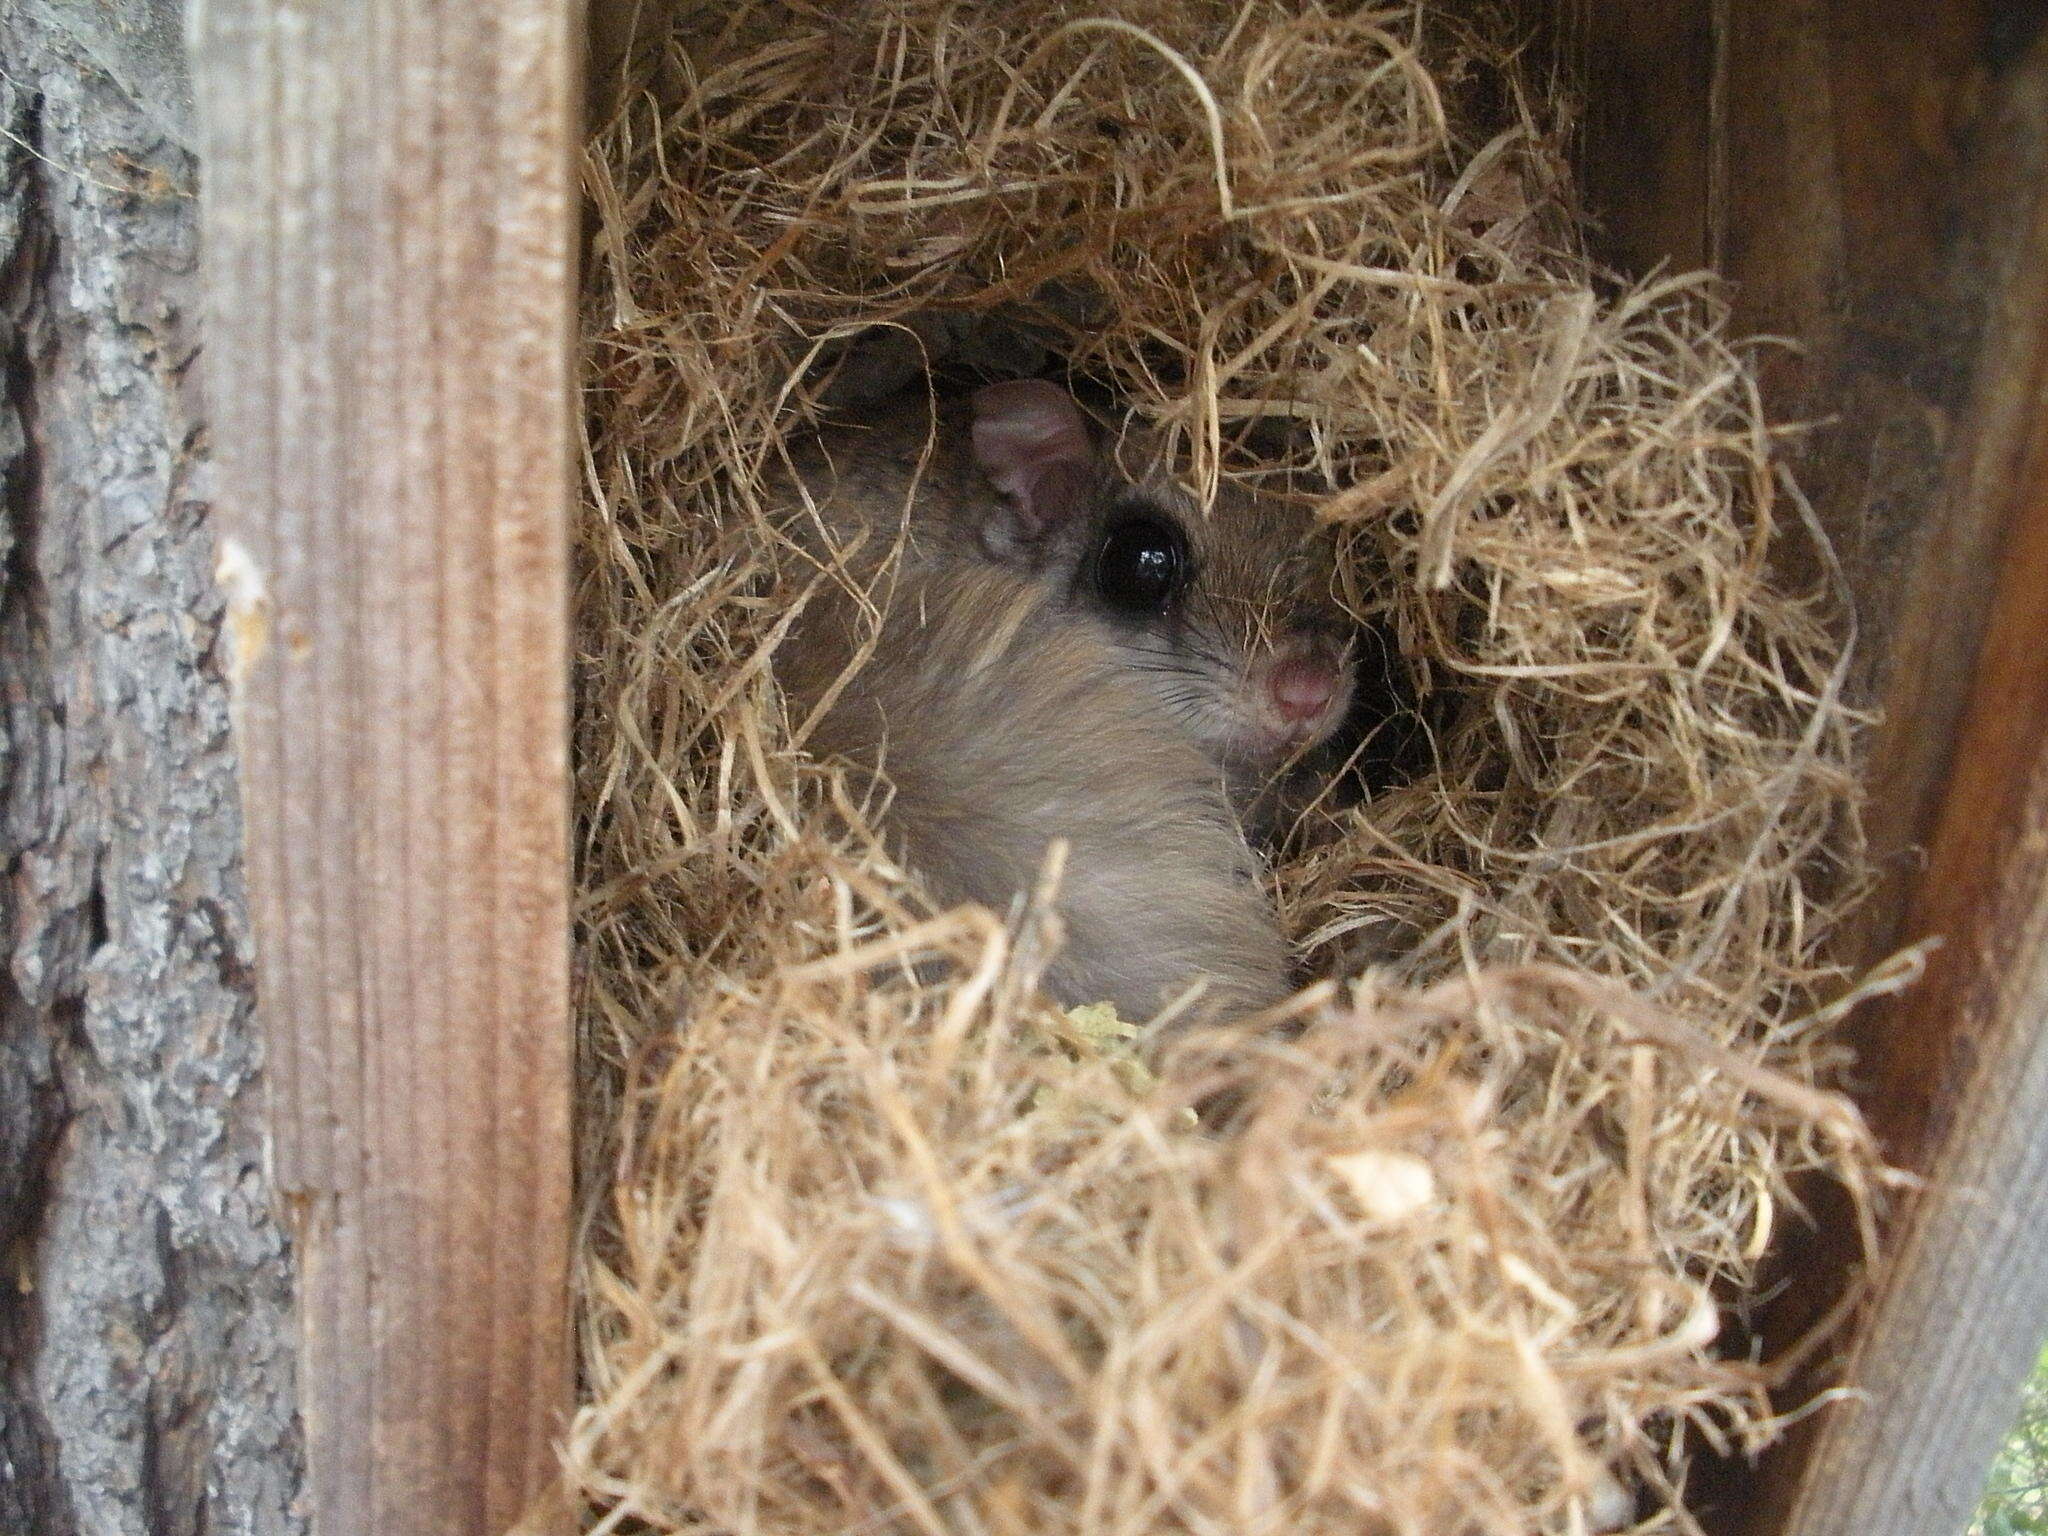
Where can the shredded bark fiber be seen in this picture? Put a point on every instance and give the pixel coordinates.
(882, 1242)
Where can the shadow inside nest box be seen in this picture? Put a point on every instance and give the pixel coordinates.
(1384, 740)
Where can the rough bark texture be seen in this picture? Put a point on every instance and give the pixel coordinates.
(146, 1330)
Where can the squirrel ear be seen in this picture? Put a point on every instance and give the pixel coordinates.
(1031, 440)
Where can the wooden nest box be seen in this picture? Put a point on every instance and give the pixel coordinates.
(392, 209)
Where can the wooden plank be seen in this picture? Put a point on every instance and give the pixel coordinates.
(1887, 175)
(624, 39)
(1959, 1070)
(1644, 74)
(1873, 184)
(389, 200)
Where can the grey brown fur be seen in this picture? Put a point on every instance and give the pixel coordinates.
(1003, 713)
(998, 727)
(903, 474)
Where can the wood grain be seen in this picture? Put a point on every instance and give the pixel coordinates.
(623, 44)
(389, 201)
(1888, 169)
(1959, 1069)
(1644, 74)
(1871, 178)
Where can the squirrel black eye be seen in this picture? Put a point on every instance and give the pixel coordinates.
(1142, 564)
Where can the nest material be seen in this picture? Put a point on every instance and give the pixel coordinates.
(875, 1252)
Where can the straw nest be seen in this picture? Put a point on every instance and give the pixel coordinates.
(874, 1251)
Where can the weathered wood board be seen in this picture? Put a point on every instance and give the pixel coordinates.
(389, 205)
(1871, 178)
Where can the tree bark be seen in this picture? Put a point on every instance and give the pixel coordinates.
(147, 1340)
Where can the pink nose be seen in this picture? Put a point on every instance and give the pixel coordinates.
(1302, 687)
